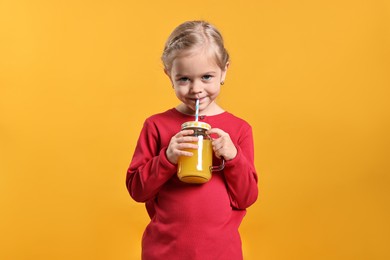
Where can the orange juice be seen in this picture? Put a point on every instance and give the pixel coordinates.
(196, 168)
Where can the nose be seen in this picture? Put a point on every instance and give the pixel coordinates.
(197, 87)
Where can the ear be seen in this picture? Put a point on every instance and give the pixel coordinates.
(227, 65)
(167, 72)
(169, 76)
(223, 76)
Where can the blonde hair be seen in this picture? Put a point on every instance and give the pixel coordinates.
(193, 34)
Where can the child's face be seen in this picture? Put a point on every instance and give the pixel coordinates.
(195, 74)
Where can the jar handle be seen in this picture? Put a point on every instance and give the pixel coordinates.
(218, 167)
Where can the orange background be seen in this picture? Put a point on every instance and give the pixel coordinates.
(78, 78)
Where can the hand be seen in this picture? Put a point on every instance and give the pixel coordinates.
(223, 146)
(179, 142)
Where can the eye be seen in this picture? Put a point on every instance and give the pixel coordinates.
(183, 80)
(207, 77)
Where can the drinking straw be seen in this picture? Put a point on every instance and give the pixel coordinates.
(197, 110)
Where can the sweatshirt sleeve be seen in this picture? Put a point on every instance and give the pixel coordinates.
(240, 173)
(149, 168)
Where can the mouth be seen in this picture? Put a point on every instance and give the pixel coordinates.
(200, 99)
(193, 102)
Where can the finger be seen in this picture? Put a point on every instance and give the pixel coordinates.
(218, 150)
(218, 154)
(177, 151)
(216, 131)
(219, 143)
(182, 146)
(184, 153)
(187, 139)
(185, 133)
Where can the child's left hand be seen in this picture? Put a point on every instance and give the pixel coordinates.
(223, 146)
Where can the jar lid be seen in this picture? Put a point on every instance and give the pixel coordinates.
(196, 124)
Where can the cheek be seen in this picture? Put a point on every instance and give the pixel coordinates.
(214, 91)
(180, 92)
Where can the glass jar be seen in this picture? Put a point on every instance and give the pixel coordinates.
(198, 167)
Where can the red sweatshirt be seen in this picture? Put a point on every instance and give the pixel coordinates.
(192, 221)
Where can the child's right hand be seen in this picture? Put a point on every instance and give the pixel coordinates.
(179, 142)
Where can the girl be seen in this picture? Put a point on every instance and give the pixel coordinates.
(193, 221)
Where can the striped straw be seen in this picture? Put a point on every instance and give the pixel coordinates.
(197, 110)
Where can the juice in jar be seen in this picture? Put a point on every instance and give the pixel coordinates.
(196, 168)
